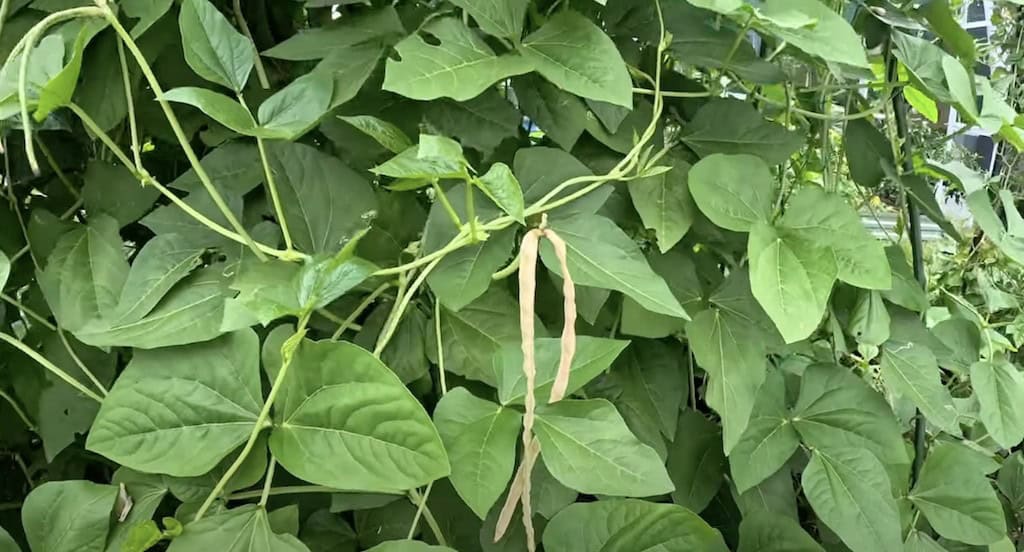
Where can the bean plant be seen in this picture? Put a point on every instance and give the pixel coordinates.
(499, 275)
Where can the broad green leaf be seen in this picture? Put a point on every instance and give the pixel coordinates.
(923, 104)
(769, 440)
(324, 531)
(58, 91)
(695, 462)
(480, 438)
(791, 279)
(242, 529)
(827, 220)
(408, 546)
(68, 516)
(573, 53)
(324, 280)
(460, 66)
(999, 387)
(594, 355)
(732, 352)
(561, 115)
(378, 25)
(910, 370)
(350, 68)
(410, 165)
(601, 255)
(234, 167)
(180, 410)
(114, 191)
(869, 321)
(735, 127)
(733, 191)
(618, 525)
(146, 498)
(541, 170)
(324, 201)
(849, 490)
(501, 186)
(961, 87)
(1011, 480)
(353, 429)
(385, 133)
(944, 21)
(219, 107)
(100, 91)
(297, 107)
(266, 290)
(497, 18)
(923, 61)
(45, 62)
(471, 336)
(664, 203)
(147, 12)
(161, 264)
(481, 123)
(921, 542)
(772, 532)
(213, 48)
(587, 447)
(829, 37)
(836, 411)
(866, 148)
(957, 499)
(464, 275)
(906, 291)
(652, 382)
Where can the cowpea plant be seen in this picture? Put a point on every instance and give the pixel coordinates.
(257, 279)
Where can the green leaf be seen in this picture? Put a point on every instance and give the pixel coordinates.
(496, 18)
(924, 62)
(114, 190)
(480, 438)
(460, 66)
(297, 107)
(385, 133)
(68, 516)
(866, 148)
(146, 498)
(944, 22)
(324, 201)
(772, 532)
(594, 355)
(736, 127)
(999, 387)
(791, 279)
(324, 531)
(46, 62)
(161, 264)
(733, 191)
(464, 275)
(664, 203)
(408, 546)
(472, 336)
(695, 462)
(481, 123)
(830, 37)
(180, 410)
(5, 269)
(587, 447)
(906, 291)
(242, 529)
(849, 490)
(350, 68)
(699, 42)
(219, 107)
(869, 321)
(353, 429)
(921, 542)
(235, 168)
(957, 499)
(601, 255)
(769, 440)
(618, 525)
(561, 115)
(573, 53)
(653, 384)
(58, 91)
(147, 12)
(501, 186)
(910, 370)
(369, 26)
(540, 170)
(1011, 480)
(837, 411)
(213, 48)
(961, 87)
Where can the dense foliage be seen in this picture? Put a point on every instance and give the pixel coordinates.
(502, 275)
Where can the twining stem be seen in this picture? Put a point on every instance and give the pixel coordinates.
(440, 195)
(81, 365)
(56, 168)
(420, 502)
(130, 103)
(365, 304)
(183, 141)
(18, 410)
(440, 348)
(402, 302)
(471, 213)
(268, 481)
(287, 354)
(261, 72)
(53, 368)
(285, 490)
(31, 313)
(419, 511)
(649, 92)
(271, 183)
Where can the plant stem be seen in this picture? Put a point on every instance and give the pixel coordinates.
(440, 195)
(348, 322)
(271, 183)
(17, 410)
(419, 511)
(81, 365)
(287, 354)
(471, 213)
(50, 366)
(268, 481)
(130, 103)
(507, 271)
(261, 72)
(286, 490)
(649, 92)
(31, 313)
(428, 516)
(400, 306)
(56, 168)
(440, 348)
(172, 119)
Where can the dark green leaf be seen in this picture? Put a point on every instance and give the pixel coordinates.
(213, 48)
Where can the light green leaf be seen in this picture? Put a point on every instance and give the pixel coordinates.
(618, 525)
(999, 387)
(297, 107)
(587, 447)
(849, 490)
(769, 440)
(502, 19)
(58, 91)
(385, 133)
(324, 280)
(354, 429)
(791, 279)
(601, 255)
(910, 370)
(146, 11)
(594, 355)
(736, 127)
(501, 186)
(866, 149)
(410, 165)
(45, 62)
(944, 21)
(369, 26)
(480, 438)
(765, 531)
(733, 191)
(830, 37)
(1011, 480)
(924, 62)
(664, 203)
(5, 269)
(695, 462)
(242, 529)
(869, 321)
(409, 546)
(324, 201)
(961, 87)
(68, 516)
(213, 48)
(460, 67)
(573, 53)
(956, 498)
(180, 410)
(921, 542)
(219, 107)
(906, 291)
(146, 498)
(161, 264)
(266, 290)
(836, 411)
